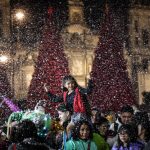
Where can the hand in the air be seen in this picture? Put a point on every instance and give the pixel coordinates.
(46, 87)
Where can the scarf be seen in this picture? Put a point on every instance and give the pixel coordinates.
(78, 105)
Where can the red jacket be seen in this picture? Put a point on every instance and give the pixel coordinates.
(78, 105)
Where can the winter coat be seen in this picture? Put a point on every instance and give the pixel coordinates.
(132, 146)
(78, 99)
(78, 105)
(80, 145)
(100, 142)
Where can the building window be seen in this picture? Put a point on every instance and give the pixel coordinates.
(136, 26)
(76, 18)
(145, 64)
(145, 38)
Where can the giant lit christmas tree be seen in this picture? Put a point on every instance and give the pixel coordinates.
(51, 65)
(112, 85)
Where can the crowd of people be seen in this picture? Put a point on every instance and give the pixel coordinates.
(76, 126)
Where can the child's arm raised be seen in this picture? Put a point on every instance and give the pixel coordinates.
(52, 97)
(89, 88)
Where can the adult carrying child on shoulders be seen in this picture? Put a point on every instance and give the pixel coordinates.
(75, 98)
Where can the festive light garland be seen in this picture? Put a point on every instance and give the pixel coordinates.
(10, 104)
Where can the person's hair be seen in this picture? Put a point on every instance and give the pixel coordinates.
(98, 113)
(76, 130)
(127, 108)
(127, 128)
(68, 78)
(95, 109)
(101, 120)
(29, 144)
(142, 119)
(146, 126)
(24, 129)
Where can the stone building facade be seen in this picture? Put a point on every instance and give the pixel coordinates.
(138, 52)
(79, 44)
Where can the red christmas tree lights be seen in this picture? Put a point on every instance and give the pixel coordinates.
(51, 65)
(112, 87)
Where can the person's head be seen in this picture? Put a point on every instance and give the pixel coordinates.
(126, 114)
(144, 129)
(40, 106)
(124, 134)
(102, 125)
(135, 109)
(95, 114)
(30, 144)
(82, 130)
(24, 129)
(69, 83)
(64, 113)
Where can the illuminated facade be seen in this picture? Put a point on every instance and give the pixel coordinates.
(79, 44)
(139, 48)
